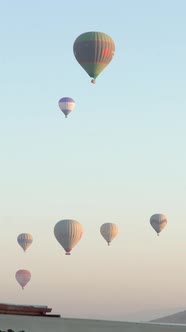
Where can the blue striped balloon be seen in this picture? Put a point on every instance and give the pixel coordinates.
(66, 105)
(25, 240)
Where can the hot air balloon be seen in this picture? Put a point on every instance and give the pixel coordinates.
(68, 233)
(109, 231)
(158, 222)
(94, 51)
(23, 277)
(66, 105)
(24, 240)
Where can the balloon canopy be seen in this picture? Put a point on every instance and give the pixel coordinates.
(109, 231)
(158, 221)
(68, 232)
(23, 277)
(66, 105)
(94, 51)
(24, 240)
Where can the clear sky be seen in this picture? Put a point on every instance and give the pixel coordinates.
(119, 157)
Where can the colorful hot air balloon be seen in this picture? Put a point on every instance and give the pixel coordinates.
(109, 231)
(23, 277)
(94, 51)
(158, 222)
(68, 233)
(24, 240)
(66, 105)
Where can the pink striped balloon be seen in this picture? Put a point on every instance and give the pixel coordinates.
(23, 277)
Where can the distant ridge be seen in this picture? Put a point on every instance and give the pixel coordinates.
(178, 318)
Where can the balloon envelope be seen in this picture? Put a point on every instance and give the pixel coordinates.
(94, 51)
(109, 231)
(25, 240)
(66, 105)
(158, 221)
(23, 277)
(68, 232)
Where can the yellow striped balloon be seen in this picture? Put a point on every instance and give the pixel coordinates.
(109, 231)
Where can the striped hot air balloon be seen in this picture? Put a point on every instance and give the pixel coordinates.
(66, 105)
(109, 231)
(23, 277)
(25, 240)
(94, 51)
(68, 233)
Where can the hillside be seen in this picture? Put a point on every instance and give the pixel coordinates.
(177, 318)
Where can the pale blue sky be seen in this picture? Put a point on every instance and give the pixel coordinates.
(119, 157)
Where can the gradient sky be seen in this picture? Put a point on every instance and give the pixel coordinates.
(119, 157)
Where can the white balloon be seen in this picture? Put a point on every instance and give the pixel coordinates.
(68, 233)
